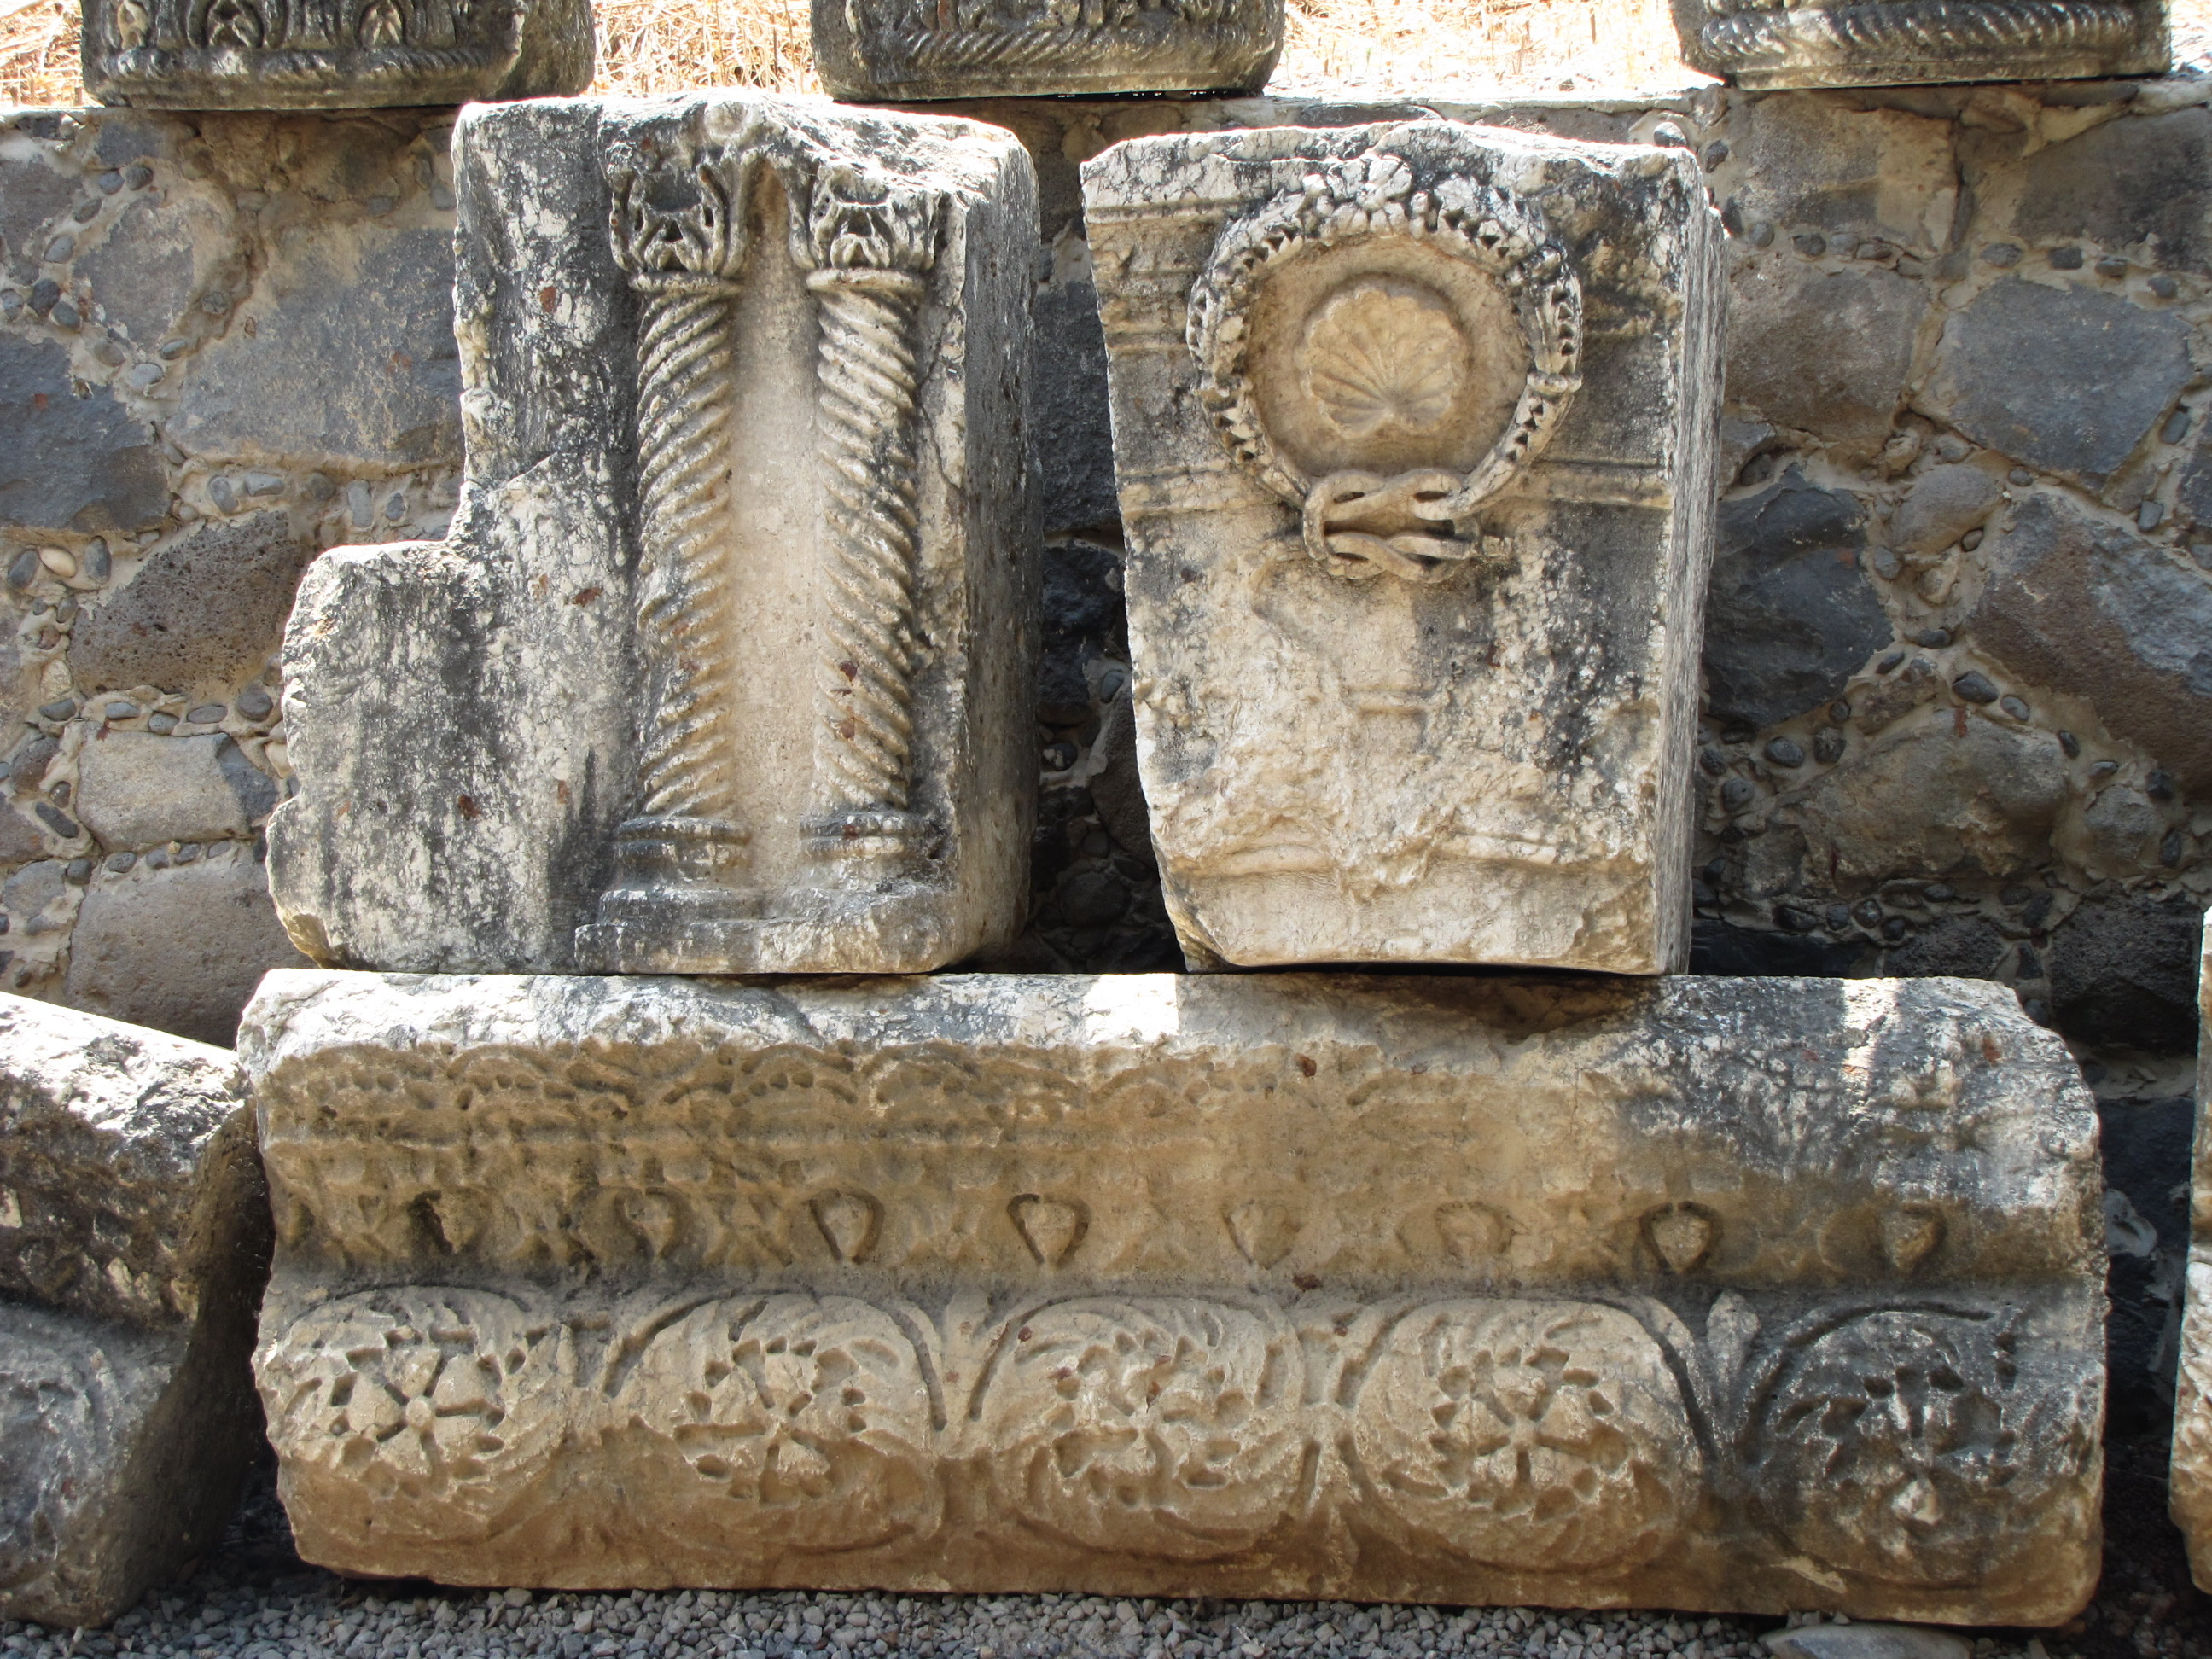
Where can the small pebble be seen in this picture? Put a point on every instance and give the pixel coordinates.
(2163, 286)
(1952, 448)
(1812, 244)
(118, 862)
(222, 493)
(2176, 428)
(1868, 912)
(214, 302)
(2065, 259)
(1785, 751)
(2003, 255)
(2021, 477)
(120, 710)
(11, 305)
(43, 294)
(23, 569)
(98, 564)
(1937, 892)
(1975, 688)
(1972, 538)
(396, 508)
(187, 852)
(138, 177)
(2013, 706)
(2111, 265)
(1934, 639)
(1888, 664)
(263, 484)
(1885, 563)
(2171, 850)
(65, 314)
(146, 376)
(207, 713)
(2148, 515)
(60, 708)
(1737, 793)
(2159, 784)
(254, 702)
(1762, 235)
(1840, 712)
(2071, 744)
(162, 725)
(1838, 917)
(110, 182)
(2103, 769)
(1716, 154)
(1828, 746)
(62, 247)
(79, 872)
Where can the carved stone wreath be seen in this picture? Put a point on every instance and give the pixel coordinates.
(1359, 523)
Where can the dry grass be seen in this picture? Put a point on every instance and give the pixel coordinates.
(1404, 46)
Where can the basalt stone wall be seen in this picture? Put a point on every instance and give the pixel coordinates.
(226, 342)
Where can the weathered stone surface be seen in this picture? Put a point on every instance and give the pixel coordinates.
(1414, 566)
(72, 462)
(179, 948)
(202, 613)
(2106, 372)
(1218, 1285)
(1857, 1641)
(328, 54)
(2190, 1484)
(1789, 616)
(2118, 970)
(1074, 441)
(2144, 1146)
(797, 735)
(869, 50)
(133, 1238)
(1851, 387)
(2074, 602)
(1875, 43)
(1945, 502)
(143, 790)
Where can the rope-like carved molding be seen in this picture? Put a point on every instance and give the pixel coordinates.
(914, 41)
(1881, 31)
(870, 245)
(685, 263)
(1372, 196)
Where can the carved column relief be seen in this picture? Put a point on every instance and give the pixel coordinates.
(685, 264)
(871, 244)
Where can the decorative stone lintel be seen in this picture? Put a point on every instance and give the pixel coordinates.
(1722, 1294)
(332, 54)
(875, 50)
(1879, 43)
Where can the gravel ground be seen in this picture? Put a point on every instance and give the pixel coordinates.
(255, 1600)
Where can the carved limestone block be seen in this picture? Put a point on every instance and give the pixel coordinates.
(1879, 43)
(726, 665)
(871, 50)
(1413, 429)
(332, 54)
(134, 1242)
(2190, 1491)
(1752, 1294)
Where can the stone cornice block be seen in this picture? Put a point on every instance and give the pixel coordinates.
(874, 51)
(1880, 42)
(134, 1243)
(1757, 1294)
(727, 663)
(332, 54)
(1413, 432)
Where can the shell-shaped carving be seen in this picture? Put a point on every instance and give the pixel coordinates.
(1163, 1427)
(1382, 353)
(1527, 1434)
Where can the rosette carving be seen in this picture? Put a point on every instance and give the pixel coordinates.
(448, 1399)
(808, 1418)
(1910, 1445)
(1166, 1427)
(1353, 333)
(1527, 1434)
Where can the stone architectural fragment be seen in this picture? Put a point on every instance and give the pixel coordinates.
(1710, 1293)
(871, 50)
(1878, 43)
(134, 1237)
(2190, 1484)
(332, 54)
(742, 677)
(1414, 426)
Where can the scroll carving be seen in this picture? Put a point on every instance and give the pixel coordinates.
(871, 244)
(1389, 355)
(1555, 1442)
(1027, 46)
